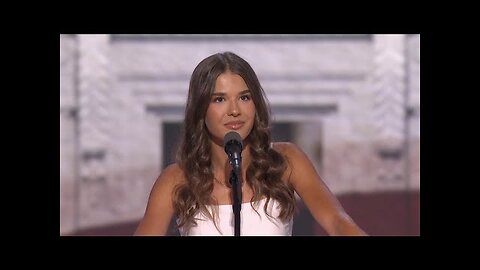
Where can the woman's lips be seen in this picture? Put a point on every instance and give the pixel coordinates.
(234, 125)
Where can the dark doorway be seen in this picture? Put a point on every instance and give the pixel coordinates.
(171, 140)
(172, 131)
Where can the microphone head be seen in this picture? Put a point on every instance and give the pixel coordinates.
(232, 137)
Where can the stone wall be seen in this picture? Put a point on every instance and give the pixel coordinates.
(346, 95)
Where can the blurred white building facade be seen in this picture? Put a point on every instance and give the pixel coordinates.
(352, 103)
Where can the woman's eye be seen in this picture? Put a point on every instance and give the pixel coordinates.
(245, 97)
(218, 99)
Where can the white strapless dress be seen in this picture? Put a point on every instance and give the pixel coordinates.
(251, 222)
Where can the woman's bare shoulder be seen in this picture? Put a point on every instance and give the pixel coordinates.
(289, 151)
(171, 175)
(285, 148)
(293, 154)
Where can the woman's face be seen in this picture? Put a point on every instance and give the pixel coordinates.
(231, 107)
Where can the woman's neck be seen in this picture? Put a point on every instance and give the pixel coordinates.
(221, 164)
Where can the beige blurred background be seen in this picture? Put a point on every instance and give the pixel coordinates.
(351, 102)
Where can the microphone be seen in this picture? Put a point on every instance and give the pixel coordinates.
(233, 147)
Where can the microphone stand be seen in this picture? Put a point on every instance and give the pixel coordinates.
(237, 198)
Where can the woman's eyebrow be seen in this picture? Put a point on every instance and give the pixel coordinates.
(223, 93)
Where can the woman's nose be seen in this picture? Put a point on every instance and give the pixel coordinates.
(233, 109)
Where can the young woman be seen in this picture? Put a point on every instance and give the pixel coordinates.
(225, 95)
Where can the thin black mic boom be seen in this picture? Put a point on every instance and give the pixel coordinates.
(233, 147)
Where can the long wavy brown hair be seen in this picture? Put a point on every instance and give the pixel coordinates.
(264, 173)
